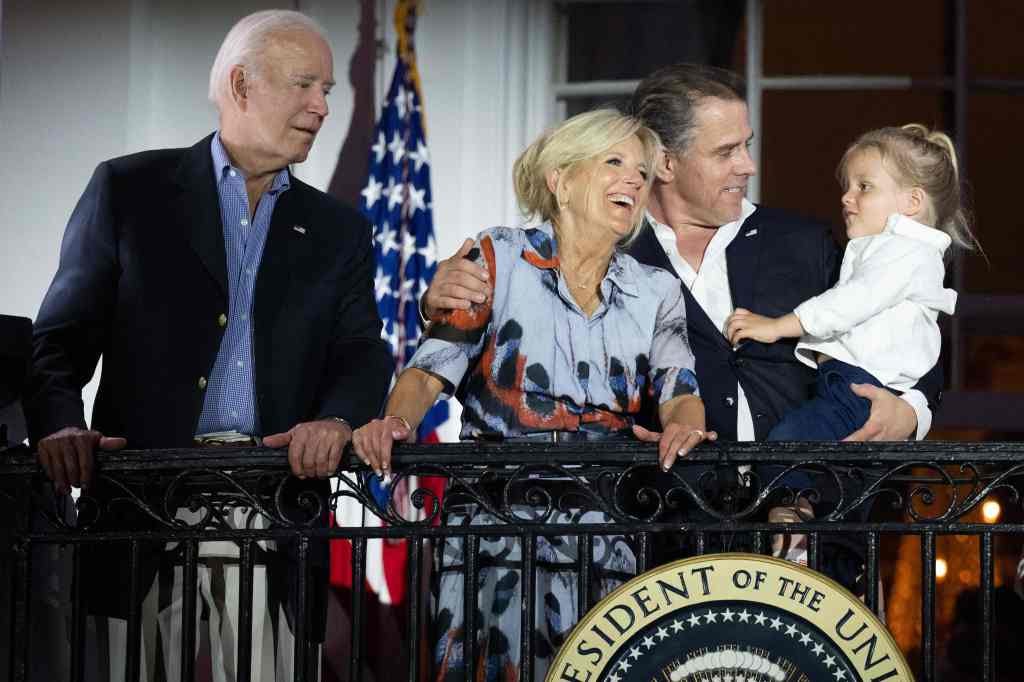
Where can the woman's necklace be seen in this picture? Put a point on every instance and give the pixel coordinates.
(581, 286)
(584, 285)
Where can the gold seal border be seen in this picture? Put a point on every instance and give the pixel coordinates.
(837, 606)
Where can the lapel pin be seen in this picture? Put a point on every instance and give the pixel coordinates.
(299, 228)
(751, 233)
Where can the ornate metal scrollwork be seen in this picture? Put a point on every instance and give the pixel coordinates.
(528, 486)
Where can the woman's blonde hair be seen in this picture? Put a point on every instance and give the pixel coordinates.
(580, 138)
(917, 156)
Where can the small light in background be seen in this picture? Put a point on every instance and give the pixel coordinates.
(940, 568)
(990, 511)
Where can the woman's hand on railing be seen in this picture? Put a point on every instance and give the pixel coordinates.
(372, 442)
(675, 441)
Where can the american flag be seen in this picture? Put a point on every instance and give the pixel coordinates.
(397, 201)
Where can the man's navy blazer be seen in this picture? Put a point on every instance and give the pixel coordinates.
(777, 261)
(142, 282)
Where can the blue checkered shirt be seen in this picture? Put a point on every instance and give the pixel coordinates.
(230, 402)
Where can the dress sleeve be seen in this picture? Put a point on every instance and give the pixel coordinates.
(454, 342)
(672, 362)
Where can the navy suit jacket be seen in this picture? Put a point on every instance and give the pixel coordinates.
(777, 261)
(142, 282)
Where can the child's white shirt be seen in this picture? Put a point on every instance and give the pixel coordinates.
(881, 314)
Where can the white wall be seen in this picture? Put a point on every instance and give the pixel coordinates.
(81, 82)
(486, 70)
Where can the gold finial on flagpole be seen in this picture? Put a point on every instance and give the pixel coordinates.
(406, 13)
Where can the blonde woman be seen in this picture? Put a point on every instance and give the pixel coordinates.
(575, 335)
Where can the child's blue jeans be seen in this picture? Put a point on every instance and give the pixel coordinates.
(834, 412)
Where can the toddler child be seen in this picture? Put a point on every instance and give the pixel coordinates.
(878, 324)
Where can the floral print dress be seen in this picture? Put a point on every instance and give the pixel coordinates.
(529, 360)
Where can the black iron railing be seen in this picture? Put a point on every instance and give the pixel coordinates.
(716, 498)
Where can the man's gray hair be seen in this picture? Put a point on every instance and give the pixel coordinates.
(246, 43)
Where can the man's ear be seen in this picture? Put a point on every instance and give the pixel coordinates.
(665, 169)
(914, 201)
(239, 85)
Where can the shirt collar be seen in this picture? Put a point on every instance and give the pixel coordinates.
(222, 166)
(541, 251)
(728, 230)
(745, 211)
(908, 227)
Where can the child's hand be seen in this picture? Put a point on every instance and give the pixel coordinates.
(744, 324)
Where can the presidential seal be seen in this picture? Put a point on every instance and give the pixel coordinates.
(730, 618)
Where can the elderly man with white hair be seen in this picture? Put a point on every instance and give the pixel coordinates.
(224, 295)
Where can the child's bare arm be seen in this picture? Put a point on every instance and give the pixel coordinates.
(743, 324)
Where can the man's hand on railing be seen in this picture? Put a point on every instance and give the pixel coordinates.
(68, 455)
(314, 448)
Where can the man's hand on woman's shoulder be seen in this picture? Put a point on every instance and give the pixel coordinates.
(457, 284)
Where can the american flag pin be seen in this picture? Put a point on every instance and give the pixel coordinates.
(299, 228)
(750, 233)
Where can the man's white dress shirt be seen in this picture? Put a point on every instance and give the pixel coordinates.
(710, 287)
